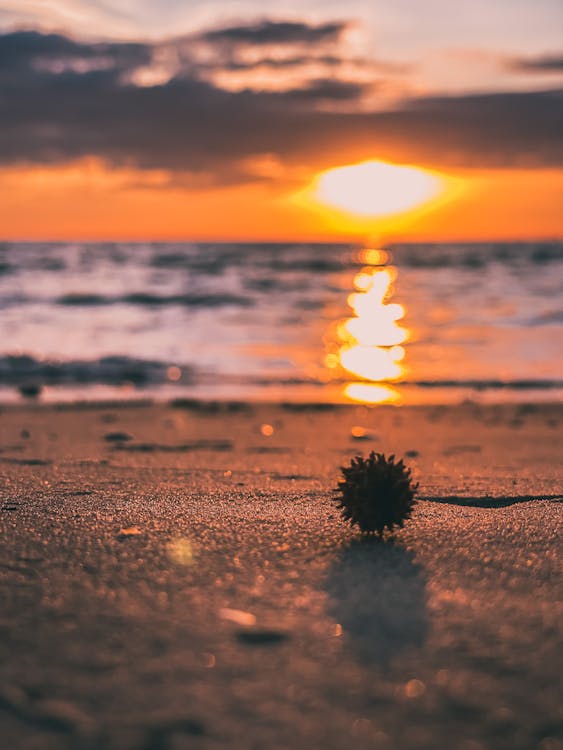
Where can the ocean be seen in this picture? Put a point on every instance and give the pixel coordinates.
(433, 323)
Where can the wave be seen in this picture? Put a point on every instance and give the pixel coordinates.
(470, 257)
(232, 312)
(145, 299)
(16, 370)
(489, 384)
(214, 260)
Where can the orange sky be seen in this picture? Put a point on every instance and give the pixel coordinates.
(89, 201)
(216, 128)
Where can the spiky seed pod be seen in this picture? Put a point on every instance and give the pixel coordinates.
(376, 493)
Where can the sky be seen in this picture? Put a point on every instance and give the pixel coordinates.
(139, 119)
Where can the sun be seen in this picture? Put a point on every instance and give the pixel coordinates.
(376, 188)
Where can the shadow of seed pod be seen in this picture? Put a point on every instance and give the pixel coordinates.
(376, 493)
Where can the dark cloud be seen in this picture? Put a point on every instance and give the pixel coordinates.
(326, 89)
(274, 45)
(29, 51)
(191, 127)
(544, 64)
(497, 129)
(276, 32)
(235, 63)
(275, 63)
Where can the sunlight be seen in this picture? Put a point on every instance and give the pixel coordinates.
(371, 393)
(368, 342)
(373, 362)
(367, 336)
(377, 188)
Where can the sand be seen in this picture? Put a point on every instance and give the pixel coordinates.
(178, 577)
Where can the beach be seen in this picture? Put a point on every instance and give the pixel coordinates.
(281, 388)
(177, 576)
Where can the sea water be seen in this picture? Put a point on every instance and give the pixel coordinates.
(291, 322)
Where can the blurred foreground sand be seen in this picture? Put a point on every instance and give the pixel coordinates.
(177, 577)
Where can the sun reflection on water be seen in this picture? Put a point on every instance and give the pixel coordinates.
(371, 393)
(369, 342)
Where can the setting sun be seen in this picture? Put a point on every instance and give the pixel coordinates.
(376, 188)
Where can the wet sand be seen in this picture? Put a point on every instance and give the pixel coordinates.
(178, 577)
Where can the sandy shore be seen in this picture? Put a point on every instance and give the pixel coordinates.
(177, 577)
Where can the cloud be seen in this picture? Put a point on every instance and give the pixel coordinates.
(25, 55)
(288, 57)
(62, 100)
(498, 129)
(327, 89)
(277, 32)
(272, 56)
(542, 64)
(277, 63)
